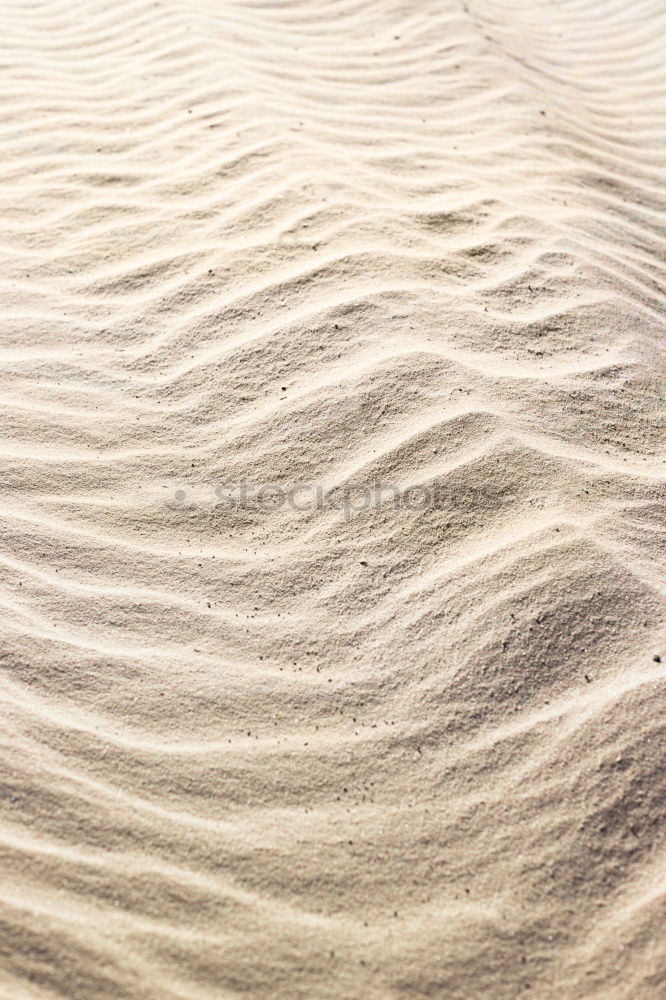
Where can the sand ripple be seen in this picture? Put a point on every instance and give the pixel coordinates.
(341, 749)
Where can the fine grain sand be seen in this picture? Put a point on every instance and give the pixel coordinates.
(288, 751)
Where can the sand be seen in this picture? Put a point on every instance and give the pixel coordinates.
(315, 742)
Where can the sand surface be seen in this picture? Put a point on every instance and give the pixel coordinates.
(308, 744)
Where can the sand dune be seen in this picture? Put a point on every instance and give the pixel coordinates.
(319, 742)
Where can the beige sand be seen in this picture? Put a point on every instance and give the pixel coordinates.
(282, 751)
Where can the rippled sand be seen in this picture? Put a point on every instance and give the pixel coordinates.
(337, 749)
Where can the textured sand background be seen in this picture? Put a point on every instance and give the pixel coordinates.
(279, 753)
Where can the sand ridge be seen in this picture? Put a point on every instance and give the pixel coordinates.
(321, 746)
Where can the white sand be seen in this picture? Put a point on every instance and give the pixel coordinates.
(283, 753)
